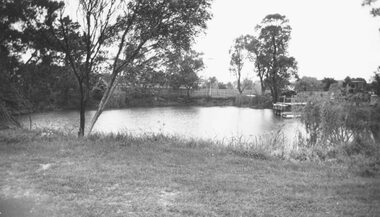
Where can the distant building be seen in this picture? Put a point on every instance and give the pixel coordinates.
(355, 86)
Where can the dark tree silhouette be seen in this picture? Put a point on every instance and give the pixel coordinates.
(274, 35)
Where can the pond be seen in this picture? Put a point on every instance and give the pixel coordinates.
(217, 123)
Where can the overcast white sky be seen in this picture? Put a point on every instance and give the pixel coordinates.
(330, 38)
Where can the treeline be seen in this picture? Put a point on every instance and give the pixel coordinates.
(349, 85)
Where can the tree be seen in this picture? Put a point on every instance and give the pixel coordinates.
(247, 84)
(21, 22)
(229, 85)
(327, 83)
(237, 61)
(346, 81)
(184, 69)
(152, 26)
(308, 84)
(139, 29)
(256, 54)
(274, 35)
(376, 83)
(375, 11)
(80, 45)
(212, 82)
(222, 85)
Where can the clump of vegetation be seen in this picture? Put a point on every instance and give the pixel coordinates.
(341, 130)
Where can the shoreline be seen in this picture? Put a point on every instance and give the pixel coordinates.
(159, 102)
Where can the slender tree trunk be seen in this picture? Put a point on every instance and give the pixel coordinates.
(188, 93)
(82, 111)
(239, 85)
(106, 96)
(275, 90)
(274, 71)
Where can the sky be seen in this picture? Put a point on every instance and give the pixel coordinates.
(330, 38)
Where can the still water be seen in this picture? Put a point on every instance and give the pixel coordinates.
(217, 123)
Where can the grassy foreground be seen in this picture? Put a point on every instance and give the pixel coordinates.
(56, 175)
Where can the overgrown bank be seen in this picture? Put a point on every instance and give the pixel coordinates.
(61, 175)
(154, 101)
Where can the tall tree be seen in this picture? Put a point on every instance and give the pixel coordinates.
(274, 34)
(81, 44)
(238, 56)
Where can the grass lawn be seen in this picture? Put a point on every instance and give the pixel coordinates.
(156, 176)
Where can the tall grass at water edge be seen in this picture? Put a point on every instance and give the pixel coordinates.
(274, 144)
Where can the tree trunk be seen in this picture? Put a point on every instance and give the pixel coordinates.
(262, 89)
(239, 85)
(82, 111)
(262, 86)
(188, 93)
(101, 106)
(261, 76)
(274, 93)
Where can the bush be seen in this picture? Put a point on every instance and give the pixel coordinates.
(339, 129)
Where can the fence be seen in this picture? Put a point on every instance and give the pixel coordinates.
(169, 92)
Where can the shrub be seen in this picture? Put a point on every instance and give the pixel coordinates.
(337, 129)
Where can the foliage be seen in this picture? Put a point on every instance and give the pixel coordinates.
(308, 84)
(183, 70)
(332, 123)
(238, 56)
(375, 11)
(257, 54)
(327, 82)
(375, 85)
(274, 35)
(222, 85)
(248, 84)
(150, 28)
(21, 23)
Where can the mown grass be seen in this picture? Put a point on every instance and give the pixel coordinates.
(155, 175)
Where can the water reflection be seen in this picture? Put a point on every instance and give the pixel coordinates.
(190, 122)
